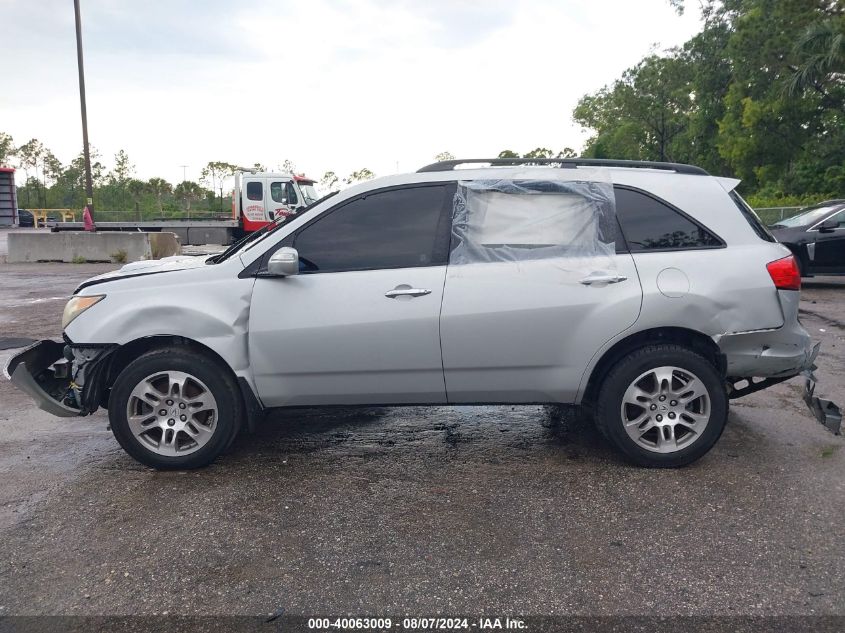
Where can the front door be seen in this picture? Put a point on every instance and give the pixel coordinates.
(283, 198)
(830, 248)
(360, 323)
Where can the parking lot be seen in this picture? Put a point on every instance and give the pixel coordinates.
(503, 510)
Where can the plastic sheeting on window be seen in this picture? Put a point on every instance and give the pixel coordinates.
(572, 222)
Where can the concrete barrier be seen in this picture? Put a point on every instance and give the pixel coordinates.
(90, 247)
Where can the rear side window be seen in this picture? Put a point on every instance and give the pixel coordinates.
(651, 225)
(402, 228)
(748, 213)
(254, 191)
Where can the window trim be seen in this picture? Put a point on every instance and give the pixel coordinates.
(815, 229)
(686, 216)
(442, 239)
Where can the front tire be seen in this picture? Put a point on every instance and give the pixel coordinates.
(174, 409)
(663, 406)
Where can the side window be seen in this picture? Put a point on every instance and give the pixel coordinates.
(649, 224)
(403, 228)
(752, 218)
(283, 193)
(254, 190)
(840, 218)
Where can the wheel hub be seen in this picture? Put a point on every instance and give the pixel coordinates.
(172, 413)
(665, 409)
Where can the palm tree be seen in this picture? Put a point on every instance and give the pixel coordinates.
(159, 187)
(821, 51)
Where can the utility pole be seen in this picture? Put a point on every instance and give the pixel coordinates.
(184, 172)
(89, 185)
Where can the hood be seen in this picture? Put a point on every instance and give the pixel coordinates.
(148, 267)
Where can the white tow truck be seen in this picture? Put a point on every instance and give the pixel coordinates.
(257, 199)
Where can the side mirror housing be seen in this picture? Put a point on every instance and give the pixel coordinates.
(828, 226)
(284, 262)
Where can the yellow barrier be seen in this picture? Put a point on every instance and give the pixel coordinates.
(40, 215)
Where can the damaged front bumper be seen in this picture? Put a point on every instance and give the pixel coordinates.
(42, 372)
(64, 380)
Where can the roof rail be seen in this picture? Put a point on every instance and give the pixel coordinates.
(565, 163)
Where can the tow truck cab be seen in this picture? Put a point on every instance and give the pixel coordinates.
(260, 197)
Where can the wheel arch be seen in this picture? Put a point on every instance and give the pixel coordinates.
(691, 339)
(131, 350)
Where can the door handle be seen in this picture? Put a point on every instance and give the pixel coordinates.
(602, 279)
(406, 291)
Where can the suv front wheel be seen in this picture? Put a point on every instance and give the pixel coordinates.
(174, 409)
(663, 406)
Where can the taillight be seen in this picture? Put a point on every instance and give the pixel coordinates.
(784, 272)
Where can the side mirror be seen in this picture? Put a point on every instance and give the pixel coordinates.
(828, 226)
(284, 262)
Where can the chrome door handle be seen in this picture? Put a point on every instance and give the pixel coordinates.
(406, 292)
(602, 279)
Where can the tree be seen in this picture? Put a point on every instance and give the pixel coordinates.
(359, 176)
(217, 172)
(187, 191)
(137, 189)
(258, 167)
(7, 149)
(540, 152)
(30, 155)
(288, 167)
(329, 182)
(820, 52)
(507, 153)
(444, 156)
(159, 187)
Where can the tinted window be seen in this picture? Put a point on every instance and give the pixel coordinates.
(752, 218)
(392, 229)
(254, 191)
(649, 224)
(283, 193)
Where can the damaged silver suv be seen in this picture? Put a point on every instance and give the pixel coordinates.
(648, 291)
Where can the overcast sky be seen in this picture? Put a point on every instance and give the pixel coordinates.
(328, 84)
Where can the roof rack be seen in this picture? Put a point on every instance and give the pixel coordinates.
(566, 163)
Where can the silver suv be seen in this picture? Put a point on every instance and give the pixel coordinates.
(649, 292)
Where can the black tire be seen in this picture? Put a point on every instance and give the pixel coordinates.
(611, 394)
(220, 383)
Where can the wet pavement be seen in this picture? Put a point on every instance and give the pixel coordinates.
(380, 511)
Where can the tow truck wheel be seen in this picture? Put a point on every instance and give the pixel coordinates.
(173, 409)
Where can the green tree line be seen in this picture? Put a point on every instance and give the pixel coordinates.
(758, 93)
(49, 184)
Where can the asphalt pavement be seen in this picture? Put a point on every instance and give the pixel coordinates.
(388, 511)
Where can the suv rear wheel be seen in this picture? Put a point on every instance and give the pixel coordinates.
(174, 409)
(663, 406)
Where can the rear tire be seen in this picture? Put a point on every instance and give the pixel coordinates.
(662, 406)
(174, 409)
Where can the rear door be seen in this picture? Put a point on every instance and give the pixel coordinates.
(524, 330)
(253, 193)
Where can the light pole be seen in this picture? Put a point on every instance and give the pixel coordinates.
(89, 185)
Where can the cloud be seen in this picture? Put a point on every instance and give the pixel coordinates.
(328, 84)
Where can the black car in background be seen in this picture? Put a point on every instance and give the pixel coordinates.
(817, 238)
(25, 218)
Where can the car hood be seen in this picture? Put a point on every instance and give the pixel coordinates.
(148, 267)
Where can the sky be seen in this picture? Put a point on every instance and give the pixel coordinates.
(326, 84)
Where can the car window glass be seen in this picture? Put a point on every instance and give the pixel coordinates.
(808, 217)
(390, 229)
(649, 224)
(283, 193)
(839, 218)
(254, 190)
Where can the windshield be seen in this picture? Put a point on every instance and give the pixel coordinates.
(810, 216)
(308, 192)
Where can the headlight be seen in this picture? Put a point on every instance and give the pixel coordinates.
(78, 305)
